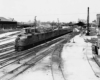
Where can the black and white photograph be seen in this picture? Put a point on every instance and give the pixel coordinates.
(49, 40)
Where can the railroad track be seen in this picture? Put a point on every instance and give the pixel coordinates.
(13, 54)
(6, 49)
(28, 57)
(7, 54)
(93, 62)
(7, 37)
(6, 45)
(20, 55)
(16, 56)
(56, 64)
(30, 63)
(2, 40)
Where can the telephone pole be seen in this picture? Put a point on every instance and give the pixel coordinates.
(58, 22)
(35, 23)
(59, 25)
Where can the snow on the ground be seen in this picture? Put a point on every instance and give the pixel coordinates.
(38, 75)
(41, 71)
(90, 56)
(8, 33)
(8, 41)
(75, 64)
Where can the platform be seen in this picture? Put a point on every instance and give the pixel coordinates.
(77, 60)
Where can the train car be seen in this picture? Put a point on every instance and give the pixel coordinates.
(31, 37)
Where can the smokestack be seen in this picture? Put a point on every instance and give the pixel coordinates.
(88, 21)
(88, 18)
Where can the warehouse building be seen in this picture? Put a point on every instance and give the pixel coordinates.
(7, 24)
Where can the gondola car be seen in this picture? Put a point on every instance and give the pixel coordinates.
(31, 37)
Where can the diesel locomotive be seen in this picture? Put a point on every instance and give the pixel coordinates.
(30, 37)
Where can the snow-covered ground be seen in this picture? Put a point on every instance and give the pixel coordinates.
(8, 38)
(8, 41)
(8, 33)
(75, 64)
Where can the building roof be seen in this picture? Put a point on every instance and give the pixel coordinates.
(5, 19)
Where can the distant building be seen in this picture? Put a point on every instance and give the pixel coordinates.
(98, 20)
(7, 24)
(94, 23)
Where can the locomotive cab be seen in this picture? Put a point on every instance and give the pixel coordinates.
(16, 42)
(21, 38)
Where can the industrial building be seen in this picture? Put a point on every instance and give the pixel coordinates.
(7, 24)
(98, 20)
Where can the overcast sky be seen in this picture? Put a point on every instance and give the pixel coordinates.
(49, 10)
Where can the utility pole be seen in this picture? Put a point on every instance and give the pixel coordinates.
(59, 27)
(88, 22)
(35, 23)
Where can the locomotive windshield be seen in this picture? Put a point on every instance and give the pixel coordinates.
(27, 30)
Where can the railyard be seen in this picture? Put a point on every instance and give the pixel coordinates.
(68, 57)
(26, 59)
(49, 40)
